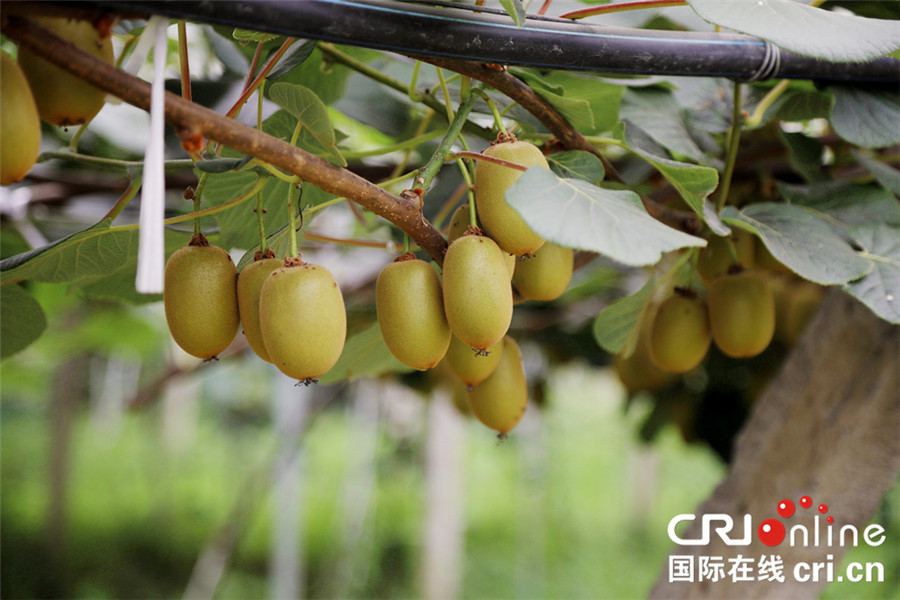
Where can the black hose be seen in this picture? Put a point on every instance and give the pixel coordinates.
(540, 42)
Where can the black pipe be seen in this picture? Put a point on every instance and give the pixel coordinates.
(540, 42)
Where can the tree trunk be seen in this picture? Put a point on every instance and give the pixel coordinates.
(827, 427)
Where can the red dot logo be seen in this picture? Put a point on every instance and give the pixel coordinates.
(786, 508)
(770, 532)
(805, 501)
(830, 519)
(823, 508)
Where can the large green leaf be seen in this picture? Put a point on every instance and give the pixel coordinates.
(93, 252)
(880, 289)
(577, 214)
(800, 105)
(577, 164)
(694, 183)
(805, 154)
(577, 111)
(22, 319)
(888, 177)
(658, 112)
(802, 29)
(119, 284)
(602, 97)
(617, 326)
(100, 261)
(326, 77)
(850, 203)
(803, 241)
(365, 354)
(316, 131)
(866, 118)
(238, 227)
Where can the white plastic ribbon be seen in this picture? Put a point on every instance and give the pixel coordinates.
(151, 240)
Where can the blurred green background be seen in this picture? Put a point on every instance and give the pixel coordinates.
(129, 472)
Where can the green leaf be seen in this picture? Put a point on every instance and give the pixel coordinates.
(326, 77)
(22, 319)
(694, 183)
(864, 117)
(805, 30)
(657, 112)
(92, 252)
(885, 175)
(800, 105)
(805, 155)
(576, 111)
(316, 131)
(577, 214)
(365, 354)
(617, 326)
(602, 97)
(515, 9)
(577, 164)
(119, 284)
(880, 289)
(293, 57)
(850, 203)
(802, 241)
(238, 226)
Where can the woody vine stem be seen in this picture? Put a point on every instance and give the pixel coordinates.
(191, 119)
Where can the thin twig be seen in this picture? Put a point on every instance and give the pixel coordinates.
(567, 136)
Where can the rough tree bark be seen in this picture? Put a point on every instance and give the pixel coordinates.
(828, 427)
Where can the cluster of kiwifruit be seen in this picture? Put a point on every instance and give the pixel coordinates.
(462, 317)
(32, 89)
(747, 300)
(292, 312)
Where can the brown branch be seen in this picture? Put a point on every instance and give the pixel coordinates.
(190, 119)
(567, 136)
(516, 89)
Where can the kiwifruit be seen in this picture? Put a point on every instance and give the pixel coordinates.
(459, 224)
(477, 293)
(20, 125)
(200, 299)
(501, 221)
(302, 319)
(410, 308)
(680, 335)
(741, 313)
(500, 400)
(716, 259)
(546, 274)
(62, 98)
(471, 366)
(249, 285)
